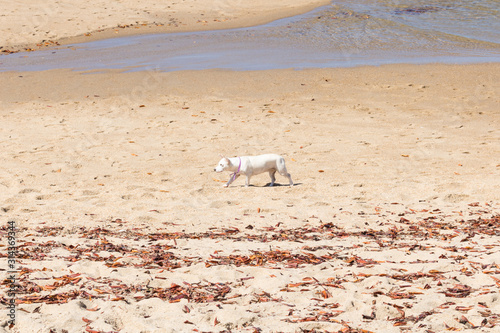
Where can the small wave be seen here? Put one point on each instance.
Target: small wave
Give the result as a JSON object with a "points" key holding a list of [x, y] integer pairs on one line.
{"points": [[416, 10]]}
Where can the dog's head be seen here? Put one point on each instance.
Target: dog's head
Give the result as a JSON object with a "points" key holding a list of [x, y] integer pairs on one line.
{"points": [[223, 164]]}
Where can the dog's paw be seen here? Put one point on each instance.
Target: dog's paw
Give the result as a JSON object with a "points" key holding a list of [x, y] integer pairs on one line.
{"points": [[225, 185]]}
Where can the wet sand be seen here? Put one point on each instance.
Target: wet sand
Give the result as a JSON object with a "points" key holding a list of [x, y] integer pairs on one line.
{"points": [[31, 25]]}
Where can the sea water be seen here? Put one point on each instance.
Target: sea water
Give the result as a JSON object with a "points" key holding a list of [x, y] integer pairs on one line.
{"points": [[343, 34]]}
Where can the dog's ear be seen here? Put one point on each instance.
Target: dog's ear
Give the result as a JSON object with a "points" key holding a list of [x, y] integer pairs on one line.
{"points": [[225, 158]]}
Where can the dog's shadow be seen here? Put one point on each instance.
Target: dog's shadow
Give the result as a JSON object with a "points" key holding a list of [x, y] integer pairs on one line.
{"points": [[275, 185]]}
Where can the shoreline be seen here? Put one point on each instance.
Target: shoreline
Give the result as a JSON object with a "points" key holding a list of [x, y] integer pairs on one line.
{"points": [[211, 15]]}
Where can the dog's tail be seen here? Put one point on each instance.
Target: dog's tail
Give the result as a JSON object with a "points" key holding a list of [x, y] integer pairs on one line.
{"points": [[280, 165]]}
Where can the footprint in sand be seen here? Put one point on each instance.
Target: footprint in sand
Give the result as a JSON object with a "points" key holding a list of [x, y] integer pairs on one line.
{"points": [[28, 190], [456, 198], [88, 192]]}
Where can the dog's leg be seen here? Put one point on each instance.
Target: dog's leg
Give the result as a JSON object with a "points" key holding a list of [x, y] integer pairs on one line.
{"points": [[271, 174], [286, 174], [232, 179], [247, 182]]}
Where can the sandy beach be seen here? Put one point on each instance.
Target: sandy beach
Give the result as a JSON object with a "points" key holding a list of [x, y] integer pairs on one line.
{"points": [[122, 225]]}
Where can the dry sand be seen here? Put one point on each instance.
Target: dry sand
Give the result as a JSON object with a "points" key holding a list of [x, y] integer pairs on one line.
{"points": [[391, 225], [122, 225]]}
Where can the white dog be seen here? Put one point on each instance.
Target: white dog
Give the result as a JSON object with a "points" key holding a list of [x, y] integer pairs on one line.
{"points": [[253, 165]]}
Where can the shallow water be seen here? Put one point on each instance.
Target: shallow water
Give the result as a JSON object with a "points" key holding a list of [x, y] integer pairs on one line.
{"points": [[343, 34]]}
